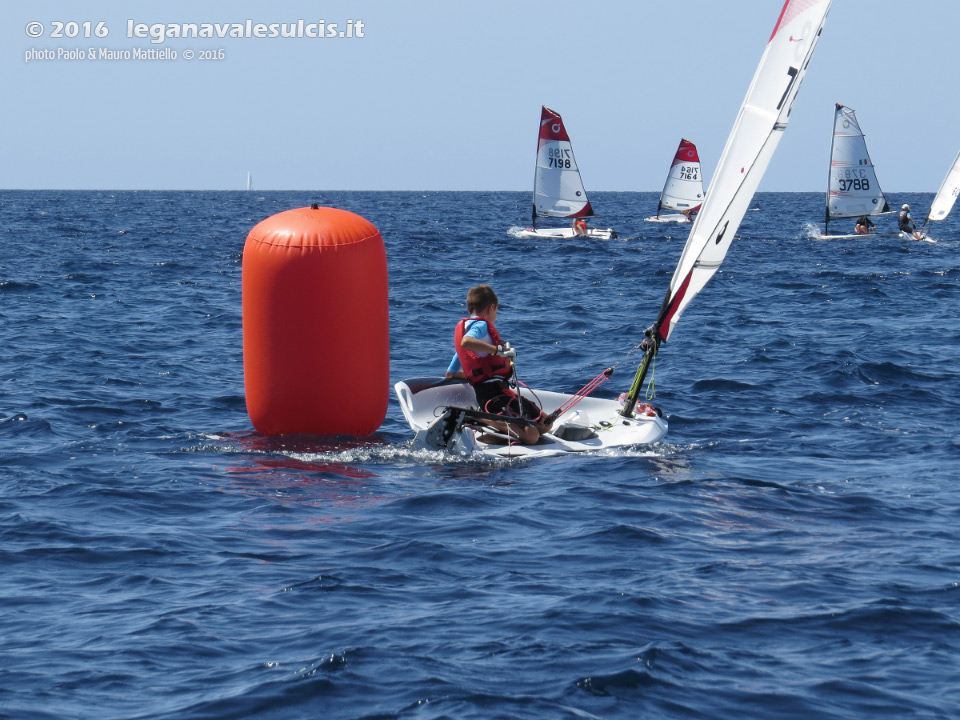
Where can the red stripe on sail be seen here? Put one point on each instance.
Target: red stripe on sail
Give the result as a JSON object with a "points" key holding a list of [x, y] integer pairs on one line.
{"points": [[586, 212], [686, 152], [551, 126], [663, 327], [792, 8]]}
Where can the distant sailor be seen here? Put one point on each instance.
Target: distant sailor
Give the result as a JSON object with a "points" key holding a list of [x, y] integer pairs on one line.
{"points": [[906, 223], [484, 361], [864, 225], [580, 227]]}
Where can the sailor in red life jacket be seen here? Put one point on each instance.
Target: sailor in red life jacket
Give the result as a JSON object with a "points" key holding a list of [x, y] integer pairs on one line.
{"points": [[483, 360], [579, 227]]}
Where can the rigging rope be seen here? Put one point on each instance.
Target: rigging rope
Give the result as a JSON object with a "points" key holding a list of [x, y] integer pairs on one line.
{"points": [[582, 393]]}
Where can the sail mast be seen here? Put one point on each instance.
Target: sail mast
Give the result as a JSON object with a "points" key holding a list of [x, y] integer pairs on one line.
{"points": [[536, 168], [833, 139], [756, 132]]}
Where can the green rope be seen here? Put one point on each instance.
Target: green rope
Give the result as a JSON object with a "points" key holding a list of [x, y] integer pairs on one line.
{"points": [[651, 392]]}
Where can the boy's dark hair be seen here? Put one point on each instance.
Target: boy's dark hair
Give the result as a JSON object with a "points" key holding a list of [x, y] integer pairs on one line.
{"points": [[480, 297]]}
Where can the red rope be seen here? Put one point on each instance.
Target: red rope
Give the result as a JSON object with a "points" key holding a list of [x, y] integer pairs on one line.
{"points": [[583, 392]]}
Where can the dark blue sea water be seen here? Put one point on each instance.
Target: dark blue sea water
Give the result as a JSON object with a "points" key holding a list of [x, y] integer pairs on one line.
{"points": [[790, 551]]}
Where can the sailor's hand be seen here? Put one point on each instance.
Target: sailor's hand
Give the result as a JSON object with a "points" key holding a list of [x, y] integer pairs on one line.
{"points": [[506, 351]]}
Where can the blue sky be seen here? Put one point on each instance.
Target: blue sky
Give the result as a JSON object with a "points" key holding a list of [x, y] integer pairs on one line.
{"points": [[446, 95]]}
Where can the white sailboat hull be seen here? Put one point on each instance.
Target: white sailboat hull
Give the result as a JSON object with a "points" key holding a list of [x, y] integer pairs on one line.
{"points": [[563, 233], [909, 236], [845, 237], [668, 218], [593, 424]]}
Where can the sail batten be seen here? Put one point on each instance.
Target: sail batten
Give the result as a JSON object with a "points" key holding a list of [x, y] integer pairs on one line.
{"points": [[558, 190], [757, 130]]}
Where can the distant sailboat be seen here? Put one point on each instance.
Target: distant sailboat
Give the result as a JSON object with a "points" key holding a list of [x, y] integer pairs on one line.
{"points": [[852, 186], [557, 188], [683, 190], [249, 180], [946, 195]]}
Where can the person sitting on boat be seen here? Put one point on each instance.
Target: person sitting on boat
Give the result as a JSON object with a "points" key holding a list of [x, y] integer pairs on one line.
{"points": [[688, 214], [579, 227], [485, 362], [906, 223], [864, 225]]}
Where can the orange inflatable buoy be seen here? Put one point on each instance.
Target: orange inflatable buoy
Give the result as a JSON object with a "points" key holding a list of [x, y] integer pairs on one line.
{"points": [[316, 330]]}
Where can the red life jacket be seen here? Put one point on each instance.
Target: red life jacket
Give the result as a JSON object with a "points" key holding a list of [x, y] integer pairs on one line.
{"points": [[476, 368]]}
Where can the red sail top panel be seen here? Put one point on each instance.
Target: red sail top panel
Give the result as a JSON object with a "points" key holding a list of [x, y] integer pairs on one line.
{"points": [[686, 153], [551, 126]]}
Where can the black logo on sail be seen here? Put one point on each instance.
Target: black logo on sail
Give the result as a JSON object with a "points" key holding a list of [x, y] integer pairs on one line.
{"points": [[720, 236]]}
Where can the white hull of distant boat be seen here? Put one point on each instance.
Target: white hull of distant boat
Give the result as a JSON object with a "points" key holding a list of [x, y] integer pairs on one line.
{"points": [[548, 233], [432, 407], [850, 236], [909, 236], [668, 218], [853, 236]]}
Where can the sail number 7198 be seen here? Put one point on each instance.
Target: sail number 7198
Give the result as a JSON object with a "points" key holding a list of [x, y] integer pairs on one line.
{"points": [[560, 158]]}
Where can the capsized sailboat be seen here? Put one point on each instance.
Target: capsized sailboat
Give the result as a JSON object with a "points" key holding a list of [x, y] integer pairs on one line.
{"points": [[946, 196], [558, 190], [852, 186], [683, 190], [444, 414]]}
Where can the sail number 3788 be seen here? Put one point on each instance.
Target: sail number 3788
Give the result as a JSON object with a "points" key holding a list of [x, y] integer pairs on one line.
{"points": [[853, 184]]}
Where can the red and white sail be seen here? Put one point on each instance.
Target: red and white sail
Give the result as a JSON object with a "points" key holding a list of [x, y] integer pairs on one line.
{"points": [[853, 189], [557, 188], [756, 132], [683, 190], [947, 194]]}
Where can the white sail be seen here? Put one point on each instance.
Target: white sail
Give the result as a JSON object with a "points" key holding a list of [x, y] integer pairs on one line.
{"points": [[853, 189], [757, 130], [557, 188], [249, 180], [946, 195], [683, 190]]}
